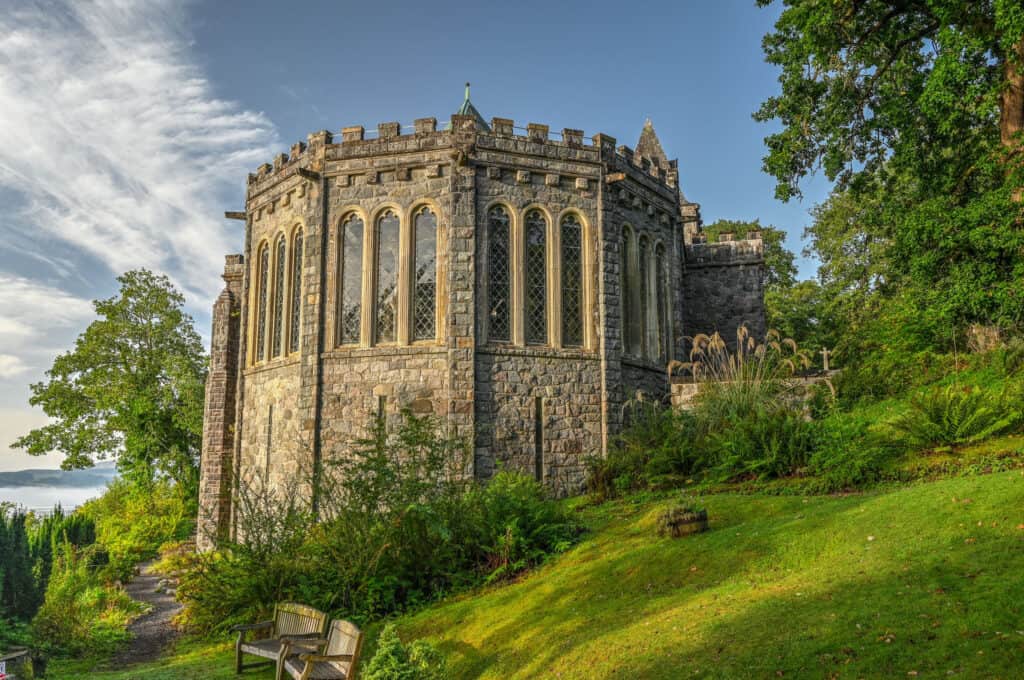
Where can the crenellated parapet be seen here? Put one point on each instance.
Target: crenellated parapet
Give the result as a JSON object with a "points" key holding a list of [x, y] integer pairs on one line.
{"points": [[727, 251]]}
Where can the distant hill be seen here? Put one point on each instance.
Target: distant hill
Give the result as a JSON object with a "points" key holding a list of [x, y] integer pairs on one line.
{"points": [[95, 476]]}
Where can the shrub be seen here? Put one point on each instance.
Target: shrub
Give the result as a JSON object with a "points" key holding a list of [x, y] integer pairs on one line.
{"points": [[955, 414], [847, 453], [132, 522], [762, 444], [395, 661], [401, 524], [658, 448], [81, 615]]}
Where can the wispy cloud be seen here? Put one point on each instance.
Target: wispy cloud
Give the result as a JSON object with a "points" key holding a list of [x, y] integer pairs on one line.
{"points": [[115, 141], [115, 153]]}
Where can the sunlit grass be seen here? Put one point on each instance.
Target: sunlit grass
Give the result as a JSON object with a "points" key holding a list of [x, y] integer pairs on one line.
{"points": [[922, 579]]}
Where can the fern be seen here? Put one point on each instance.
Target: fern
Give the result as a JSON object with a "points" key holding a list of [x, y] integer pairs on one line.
{"points": [[955, 415]]}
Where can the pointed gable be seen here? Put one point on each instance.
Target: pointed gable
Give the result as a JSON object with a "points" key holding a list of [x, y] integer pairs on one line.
{"points": [[649, 146]]}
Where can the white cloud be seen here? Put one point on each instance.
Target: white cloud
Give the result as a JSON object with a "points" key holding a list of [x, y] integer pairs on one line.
{"points": [[116, 142], [115, 153]]}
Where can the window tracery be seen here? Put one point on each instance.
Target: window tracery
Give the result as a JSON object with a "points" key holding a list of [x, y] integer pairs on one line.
{"points": [[535, 268]]}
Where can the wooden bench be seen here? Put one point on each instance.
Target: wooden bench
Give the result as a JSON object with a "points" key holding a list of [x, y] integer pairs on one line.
{"points": [[337, 656], [15, 662], [291, 620]]}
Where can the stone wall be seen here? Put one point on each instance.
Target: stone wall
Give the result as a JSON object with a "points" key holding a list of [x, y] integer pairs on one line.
{"points": [[723, 288], [215, 463]]}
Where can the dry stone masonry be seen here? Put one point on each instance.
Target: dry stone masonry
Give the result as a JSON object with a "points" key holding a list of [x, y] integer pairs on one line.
{"points": [[521, 288]]}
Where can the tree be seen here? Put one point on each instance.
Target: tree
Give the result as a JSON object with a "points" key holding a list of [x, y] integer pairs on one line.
{"points": [[915, 109], [132, 388], [778, 261]]}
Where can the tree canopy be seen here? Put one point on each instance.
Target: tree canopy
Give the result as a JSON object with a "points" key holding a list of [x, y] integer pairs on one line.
{"points": [[132, 387], [915, 108]]}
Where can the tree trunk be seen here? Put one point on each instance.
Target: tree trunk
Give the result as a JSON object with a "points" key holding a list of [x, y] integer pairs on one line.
{"points": [[1011, 109]]}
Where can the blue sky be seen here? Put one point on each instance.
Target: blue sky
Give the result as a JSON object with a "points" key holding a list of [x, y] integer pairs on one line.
{"points": [[127, 128]]}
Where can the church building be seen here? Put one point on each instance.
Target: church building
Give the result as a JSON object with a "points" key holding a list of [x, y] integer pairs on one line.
{"points": [[519, 285]]}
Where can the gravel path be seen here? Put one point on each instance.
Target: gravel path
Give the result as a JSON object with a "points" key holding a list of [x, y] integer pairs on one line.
{"points": [[152, 631]]}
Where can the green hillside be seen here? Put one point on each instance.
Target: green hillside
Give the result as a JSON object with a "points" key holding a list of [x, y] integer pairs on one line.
{"points": [[925, 580], [918, 580]]}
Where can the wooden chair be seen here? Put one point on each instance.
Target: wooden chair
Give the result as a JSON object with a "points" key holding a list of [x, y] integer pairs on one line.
{"points": [[338, 657], [291, 620]]}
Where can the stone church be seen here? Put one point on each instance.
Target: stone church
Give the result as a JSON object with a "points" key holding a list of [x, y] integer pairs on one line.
{"points": [[517, 284]]}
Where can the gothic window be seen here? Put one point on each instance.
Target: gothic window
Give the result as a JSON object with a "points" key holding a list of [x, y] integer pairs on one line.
{"points": [[572, 281], [296, 302], [630, 312], [661, 290], [535, 268], [499, 283], [424, 294], [278, 327], [645, 294], [351, 280], [262, 277], [387, 277]]}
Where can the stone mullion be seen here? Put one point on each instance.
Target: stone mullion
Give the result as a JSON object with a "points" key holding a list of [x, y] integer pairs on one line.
{"points": [[517, 246], [368, 292], [406, 251], [554, 261]]}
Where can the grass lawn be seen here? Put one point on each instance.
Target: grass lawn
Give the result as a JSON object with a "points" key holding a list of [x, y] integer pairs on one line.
{"points": [[919, 581]]}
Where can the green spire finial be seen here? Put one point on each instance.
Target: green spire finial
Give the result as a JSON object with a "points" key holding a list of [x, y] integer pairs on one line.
{"points": [[467, 90]]}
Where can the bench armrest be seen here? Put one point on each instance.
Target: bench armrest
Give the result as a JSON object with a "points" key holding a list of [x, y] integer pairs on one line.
{"points": [[251, 626]]}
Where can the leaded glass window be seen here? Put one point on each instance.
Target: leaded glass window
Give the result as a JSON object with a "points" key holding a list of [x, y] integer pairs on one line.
{"points": [[293, 340], [424, 294], [660, 283], [645, 291], [387, 277], [536, 278], [278, 327], [262, 279], [499, 284], [572, 281], [351, 280]]}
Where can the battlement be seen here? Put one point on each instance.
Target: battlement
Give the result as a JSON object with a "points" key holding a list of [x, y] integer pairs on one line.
{"points": [[726, 252], [502, 134]]}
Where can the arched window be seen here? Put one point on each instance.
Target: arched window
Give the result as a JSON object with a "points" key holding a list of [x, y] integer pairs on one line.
{"points": [[262, 279], [278, 327], [499, 279], [293, 340], [645, 295], [424, 293], [631, 312], [661, 289], [350, 279], [387, 277], [572, 281], [535, 268]]}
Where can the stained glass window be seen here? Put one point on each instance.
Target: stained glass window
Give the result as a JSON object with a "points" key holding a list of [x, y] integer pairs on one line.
{"points": [[278, 328], [351, 279], [387, 277], [499, 285], [293, 341], [535, 268], [661, 283], [263, 276], [424, 315], [572, 281], [645, 291]]}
